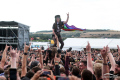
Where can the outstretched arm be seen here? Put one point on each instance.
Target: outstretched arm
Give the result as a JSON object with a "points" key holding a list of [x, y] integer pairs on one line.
{"points": [[67, 19], [41, 58], [17, 57], [24, 62], [4, 57], [13, 69], [89, 59], [105, 66], [112, 61]]}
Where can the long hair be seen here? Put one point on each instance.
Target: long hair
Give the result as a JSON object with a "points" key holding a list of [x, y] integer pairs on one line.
{"points": [[59, 23]]}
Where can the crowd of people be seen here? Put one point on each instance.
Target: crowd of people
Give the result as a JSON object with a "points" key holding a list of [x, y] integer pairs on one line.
{"points": [[56, 64]]}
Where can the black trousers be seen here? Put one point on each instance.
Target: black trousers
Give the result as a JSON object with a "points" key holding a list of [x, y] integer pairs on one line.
{"points": [[59, 39]]}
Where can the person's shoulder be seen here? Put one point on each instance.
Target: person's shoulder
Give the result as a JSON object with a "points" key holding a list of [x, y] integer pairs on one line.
{"points": [[94, 78], [62, 22], [53, 23], [25, 78]]}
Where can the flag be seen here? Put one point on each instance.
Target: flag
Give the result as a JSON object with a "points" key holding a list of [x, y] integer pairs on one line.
{"points": [[71, 28]]}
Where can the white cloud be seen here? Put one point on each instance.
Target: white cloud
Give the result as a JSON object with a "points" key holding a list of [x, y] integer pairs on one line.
{"points": [[39, 14]]}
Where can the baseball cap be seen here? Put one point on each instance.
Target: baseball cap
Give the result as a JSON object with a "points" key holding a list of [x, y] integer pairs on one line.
{"points": [[57, 16]]}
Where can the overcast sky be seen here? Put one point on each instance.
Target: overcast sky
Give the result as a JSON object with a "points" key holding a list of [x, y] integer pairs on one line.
{"points": [[39, 14]]}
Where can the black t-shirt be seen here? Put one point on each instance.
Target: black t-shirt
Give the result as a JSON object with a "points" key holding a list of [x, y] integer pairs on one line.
{"points": [[94, 78], [58, 27], [112, 75], [25, 78]]}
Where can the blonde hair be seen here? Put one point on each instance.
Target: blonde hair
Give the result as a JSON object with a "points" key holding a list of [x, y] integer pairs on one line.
{"points": [[98, 69], [99, 61]]}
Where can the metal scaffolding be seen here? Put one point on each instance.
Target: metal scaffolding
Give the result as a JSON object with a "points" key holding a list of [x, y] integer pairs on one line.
{"points": [[13, 34]]}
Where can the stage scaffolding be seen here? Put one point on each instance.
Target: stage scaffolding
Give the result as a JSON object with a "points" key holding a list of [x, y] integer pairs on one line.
{"points": [[14, 34]]}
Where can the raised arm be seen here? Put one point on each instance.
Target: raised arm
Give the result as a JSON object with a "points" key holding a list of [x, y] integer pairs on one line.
{"points": [[17, 58], [67, 19], [67, 63], [105, 66], [41, 57], [24, 61], [4, 57], [118, 52], [112, 61], [89, 58], [13, 69], [57, 68]]}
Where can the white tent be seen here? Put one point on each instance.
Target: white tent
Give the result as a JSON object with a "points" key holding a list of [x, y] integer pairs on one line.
{"points": [[80, 43], [34, 45]]}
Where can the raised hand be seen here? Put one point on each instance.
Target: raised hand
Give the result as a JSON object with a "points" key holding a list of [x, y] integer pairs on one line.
{"points": [[104, 52], [4, 57], [6, 47], [118, 49], [12, 52], [68, 14], [88, 47], [89, 58], [107, 49], [37, 75], [51, 75], [26, 47], [39, 50]]}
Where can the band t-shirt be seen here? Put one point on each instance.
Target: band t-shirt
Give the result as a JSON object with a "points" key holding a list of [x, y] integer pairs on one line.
{"points": [[59, 27]]}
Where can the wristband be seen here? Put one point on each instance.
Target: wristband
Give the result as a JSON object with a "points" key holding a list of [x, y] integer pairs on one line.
{"points": [[88, 52], [25, 53], [56, 62], [105, 64]]}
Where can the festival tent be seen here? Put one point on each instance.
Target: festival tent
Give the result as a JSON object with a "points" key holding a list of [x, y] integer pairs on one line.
{"points": [[96, 43], [35, 45]]}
